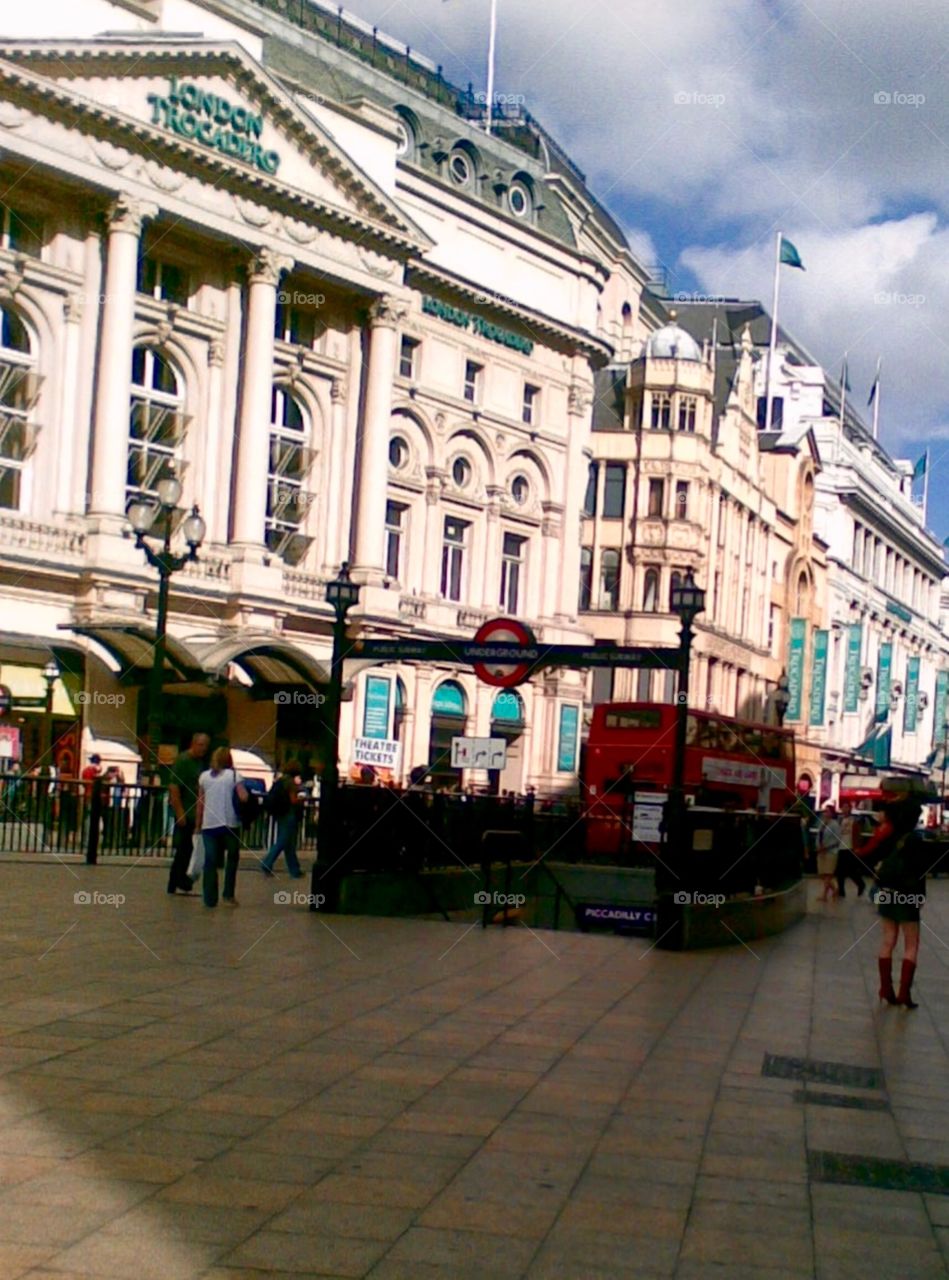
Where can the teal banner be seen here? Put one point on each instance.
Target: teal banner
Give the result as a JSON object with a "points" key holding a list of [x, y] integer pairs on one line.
{"points": [[852, 669], [818, 677], [567, 742], [911, 704], [884, 676], [942, 705], [796, 644], [375, 718]]}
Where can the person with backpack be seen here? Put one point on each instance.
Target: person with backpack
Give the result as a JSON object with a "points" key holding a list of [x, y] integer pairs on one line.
{"points": [[284, 803], [901, 860], [221, 796]]}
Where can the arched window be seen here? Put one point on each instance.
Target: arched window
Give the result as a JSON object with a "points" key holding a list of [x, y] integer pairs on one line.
{"points": [[18, 388], [287, 500], [674, 584], [449, 718], [609, 580], [801, 601], [156, 421], [651, 591]]}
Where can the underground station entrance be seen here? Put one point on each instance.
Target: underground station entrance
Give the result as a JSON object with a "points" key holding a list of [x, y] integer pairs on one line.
{"points": [[688, 876]]}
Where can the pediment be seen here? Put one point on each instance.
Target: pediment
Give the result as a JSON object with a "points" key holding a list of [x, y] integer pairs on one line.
{"points": [[209, 105]]}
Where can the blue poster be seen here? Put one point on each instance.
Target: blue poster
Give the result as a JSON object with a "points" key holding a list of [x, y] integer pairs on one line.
{"points": [[884, 676], [941, 705], [911, 705], [796, 668], [818, 677], [375, 722], [852, 670], [567, 741]]}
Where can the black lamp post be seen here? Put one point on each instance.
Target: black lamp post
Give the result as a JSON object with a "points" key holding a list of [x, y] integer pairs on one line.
{"points": [[342, 593], [782, 698], [145, 516], [51, 674], [945, 761], [687, 602]]}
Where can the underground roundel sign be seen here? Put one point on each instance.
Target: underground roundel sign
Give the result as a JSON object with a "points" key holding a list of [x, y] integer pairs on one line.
{"points": [[504, 631]]}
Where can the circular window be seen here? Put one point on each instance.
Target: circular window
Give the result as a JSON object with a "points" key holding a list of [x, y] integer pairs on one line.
{"points": [[520, 490], [459, 166], [398, 453], [461, 472], [404, 145], [519, 200]]}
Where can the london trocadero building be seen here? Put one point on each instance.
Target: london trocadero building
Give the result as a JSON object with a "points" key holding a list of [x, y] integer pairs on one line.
{"points": [[358, 327]]}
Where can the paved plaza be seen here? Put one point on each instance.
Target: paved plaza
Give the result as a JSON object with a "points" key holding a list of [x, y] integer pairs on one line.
{"points": [[259, 1091]]}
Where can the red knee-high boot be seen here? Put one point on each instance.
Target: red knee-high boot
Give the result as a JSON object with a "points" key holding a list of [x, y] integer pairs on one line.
{"points": [[906, 985], [886, 979]]}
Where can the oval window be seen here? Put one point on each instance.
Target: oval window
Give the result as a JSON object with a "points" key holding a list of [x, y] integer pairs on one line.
{"points": [[520, 490], [460, 168], [519, 200], [461, 472], [398, 453]]}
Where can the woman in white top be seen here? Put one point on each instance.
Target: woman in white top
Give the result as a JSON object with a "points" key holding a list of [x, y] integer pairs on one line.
{"points": [[217, 819]]}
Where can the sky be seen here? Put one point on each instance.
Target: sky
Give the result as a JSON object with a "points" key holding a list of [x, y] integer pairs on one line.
{"points": [[705, 126]]}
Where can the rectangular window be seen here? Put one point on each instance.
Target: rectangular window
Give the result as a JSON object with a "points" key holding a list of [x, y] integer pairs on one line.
{"points": [[777, 412], [657, 497], [589, 501], [531, 402], [682, 500], [296, 326], [162, 280], [661, 411], [722, 514], [20, 231], [687, 408], [586, 578], [407, 358], [512, 571], [609, 579], [453, 557], [750, 540], [773, 630], [395, 529], [716, 592], [473, 373], [614, 491]]}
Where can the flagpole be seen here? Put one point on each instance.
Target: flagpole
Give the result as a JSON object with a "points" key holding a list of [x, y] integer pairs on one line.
{"points": [[843, 392], [876, 405], [492, 39], [925, 488], [769, 404]]}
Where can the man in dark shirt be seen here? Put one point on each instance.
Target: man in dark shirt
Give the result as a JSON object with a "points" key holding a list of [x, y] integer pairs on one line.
{"points": [[183, 795]]}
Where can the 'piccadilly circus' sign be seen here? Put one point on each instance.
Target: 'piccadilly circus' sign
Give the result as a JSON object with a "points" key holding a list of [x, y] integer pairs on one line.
{"points": [[201, 115]]}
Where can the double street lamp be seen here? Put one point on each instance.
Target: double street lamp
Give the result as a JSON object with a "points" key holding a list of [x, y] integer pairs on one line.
{"points": [[343, 594], [153, 516]]}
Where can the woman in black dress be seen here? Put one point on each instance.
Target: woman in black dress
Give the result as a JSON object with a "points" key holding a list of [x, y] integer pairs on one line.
{"points": [[900, 858]]}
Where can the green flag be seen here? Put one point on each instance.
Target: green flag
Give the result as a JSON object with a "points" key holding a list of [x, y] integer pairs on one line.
{"points": [[919, 470], [789, 255]]}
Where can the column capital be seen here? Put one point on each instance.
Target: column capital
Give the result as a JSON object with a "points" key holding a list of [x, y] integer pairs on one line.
{"points": [[216, 353], [579, 399], [387, 312], [266, 266], [128, 214]]}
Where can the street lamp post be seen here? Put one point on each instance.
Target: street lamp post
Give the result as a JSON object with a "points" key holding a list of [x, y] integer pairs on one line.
{"points": [[145, 515], [342, 593], [687, 602], [51, 674], [782, 698]]}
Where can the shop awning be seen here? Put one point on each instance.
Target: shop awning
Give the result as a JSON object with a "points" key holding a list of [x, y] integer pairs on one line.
{"points": [[132, 645], [266, 661]]}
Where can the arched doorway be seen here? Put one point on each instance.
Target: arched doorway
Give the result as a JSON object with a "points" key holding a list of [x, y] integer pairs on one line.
{"points": [[507, 722], [449, 718]]}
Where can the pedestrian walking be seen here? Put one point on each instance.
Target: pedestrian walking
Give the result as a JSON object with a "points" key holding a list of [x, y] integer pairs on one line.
{"points": [[284, 803], [901, 861], [183, 796], [849, 866], [828, 851], [220, 790]]}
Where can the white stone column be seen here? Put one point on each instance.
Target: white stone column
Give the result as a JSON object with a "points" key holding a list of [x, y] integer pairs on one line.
{"points": [[434, 523], [114, 366], [386, 314], [547, 591], [491, 562], [210, 485], [66, 460], [336, 547], [575, 484], [253, 443]]}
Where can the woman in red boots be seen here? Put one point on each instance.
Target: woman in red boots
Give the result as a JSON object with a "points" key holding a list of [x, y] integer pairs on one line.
{"points": [[900, 858]]}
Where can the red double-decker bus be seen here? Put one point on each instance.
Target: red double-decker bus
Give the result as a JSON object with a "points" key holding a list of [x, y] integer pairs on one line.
{"points": [[630, 754]]}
